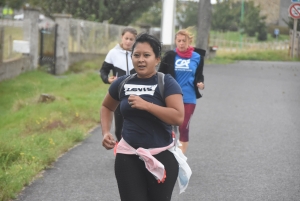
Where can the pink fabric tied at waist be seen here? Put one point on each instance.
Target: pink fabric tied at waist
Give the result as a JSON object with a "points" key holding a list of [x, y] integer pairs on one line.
{"points": [[152, 164]]}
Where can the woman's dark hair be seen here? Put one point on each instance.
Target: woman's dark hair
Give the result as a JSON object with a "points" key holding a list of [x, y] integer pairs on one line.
{"points": [[130, 30], [151, 40]]}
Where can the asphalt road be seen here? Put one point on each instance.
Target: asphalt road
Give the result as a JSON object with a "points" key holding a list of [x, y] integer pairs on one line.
{"points": [[245, 143]]}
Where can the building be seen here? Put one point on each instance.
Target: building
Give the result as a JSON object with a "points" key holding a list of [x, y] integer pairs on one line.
{"points": [[276, 11]]}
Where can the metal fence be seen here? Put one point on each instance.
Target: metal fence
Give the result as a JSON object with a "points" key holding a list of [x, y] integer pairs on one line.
{"points": [[228, 45]]}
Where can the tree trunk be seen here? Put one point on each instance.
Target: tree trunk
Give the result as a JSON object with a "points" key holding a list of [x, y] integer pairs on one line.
{"points": [[204, 21]]}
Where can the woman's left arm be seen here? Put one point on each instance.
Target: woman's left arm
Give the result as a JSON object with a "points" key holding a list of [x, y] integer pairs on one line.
{"points": [[106, 116], [172, 114], [199, 74]]}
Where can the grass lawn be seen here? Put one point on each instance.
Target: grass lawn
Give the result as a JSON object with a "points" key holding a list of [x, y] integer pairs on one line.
{"points": [[235, 36], [223, 57]]}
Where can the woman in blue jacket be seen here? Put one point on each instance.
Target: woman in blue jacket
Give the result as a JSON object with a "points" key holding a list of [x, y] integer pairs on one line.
{"points": [[185, 64]]}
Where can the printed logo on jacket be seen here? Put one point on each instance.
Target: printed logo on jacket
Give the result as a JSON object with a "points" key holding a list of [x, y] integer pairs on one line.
{"points": [[182, 63]]}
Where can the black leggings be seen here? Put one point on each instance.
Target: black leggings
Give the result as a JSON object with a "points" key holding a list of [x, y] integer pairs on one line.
{"points": [[136, 183], [118, 123]]}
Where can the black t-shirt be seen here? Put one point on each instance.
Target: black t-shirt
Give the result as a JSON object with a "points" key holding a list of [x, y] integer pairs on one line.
{"points": [[141, 128]]}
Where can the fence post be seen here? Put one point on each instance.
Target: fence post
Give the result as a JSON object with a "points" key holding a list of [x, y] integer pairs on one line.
{"points": [[78, 37], [32, 15], [62, 42], [297, 44], [1, 44], [10, 46]]}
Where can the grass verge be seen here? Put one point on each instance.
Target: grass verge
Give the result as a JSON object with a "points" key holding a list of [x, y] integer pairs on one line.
{"points": [[34, 134], [225, 57]]}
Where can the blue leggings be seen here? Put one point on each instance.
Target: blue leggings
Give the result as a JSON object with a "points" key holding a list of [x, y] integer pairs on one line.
{"points": [[136, 183], [184, 128]]}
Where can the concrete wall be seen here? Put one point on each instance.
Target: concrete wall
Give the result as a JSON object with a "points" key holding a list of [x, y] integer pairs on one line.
{"points": [[12, 68], [75, 57], [283, 13], [32, 34], [62, 42], [64, 58]]}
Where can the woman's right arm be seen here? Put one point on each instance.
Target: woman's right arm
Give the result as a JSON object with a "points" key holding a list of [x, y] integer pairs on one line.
{"points": [[105, 70], [106, 116]]}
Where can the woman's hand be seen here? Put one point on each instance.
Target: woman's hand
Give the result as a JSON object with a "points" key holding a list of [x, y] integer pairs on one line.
{"points": [[200, 85], [111, 79], [108, 141], [137, 102]]}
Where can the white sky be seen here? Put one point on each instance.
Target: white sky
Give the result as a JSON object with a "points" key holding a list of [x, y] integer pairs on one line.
{"points": [[212, 1]]}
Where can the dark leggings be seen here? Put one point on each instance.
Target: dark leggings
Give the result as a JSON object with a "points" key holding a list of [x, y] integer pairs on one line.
{"points": [[118, 123], [136, 183], [184, 128]]}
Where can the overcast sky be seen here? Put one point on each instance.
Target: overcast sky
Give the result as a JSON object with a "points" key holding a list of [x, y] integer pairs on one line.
{"points": [[212, 1]]}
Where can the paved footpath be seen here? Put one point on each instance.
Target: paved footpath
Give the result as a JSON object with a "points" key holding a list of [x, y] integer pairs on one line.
{"points": [[245, 143]]}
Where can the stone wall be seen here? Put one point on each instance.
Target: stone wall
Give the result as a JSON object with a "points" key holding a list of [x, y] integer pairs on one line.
{"points": [[75, 57], [12, 68]]}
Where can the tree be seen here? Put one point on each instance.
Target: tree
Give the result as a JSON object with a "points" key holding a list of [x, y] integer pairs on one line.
{"points": [[125, 12], [225, 17], [15, 4], [253, 22], [152, 17], [204, 21], [187, 14], [122, 12], [2, 3], [262, 32]]}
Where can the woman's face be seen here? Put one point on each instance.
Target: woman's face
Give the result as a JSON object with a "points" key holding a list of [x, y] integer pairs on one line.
{"points": [[144, 60], [182, 42], [127, 40]]}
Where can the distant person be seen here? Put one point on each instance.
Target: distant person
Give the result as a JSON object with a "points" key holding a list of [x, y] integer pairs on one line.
{"points": [[185, 64], [147, 163], [118, 60]]}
